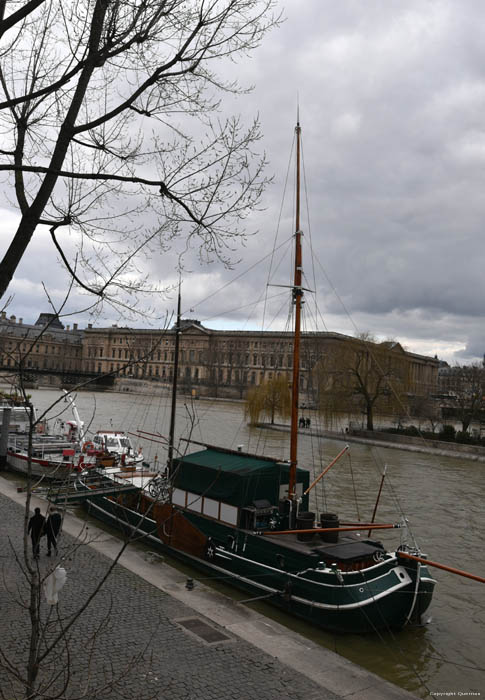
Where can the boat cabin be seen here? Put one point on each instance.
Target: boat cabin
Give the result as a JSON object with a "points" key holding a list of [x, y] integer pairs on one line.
{"points": [[18, 419], [235, 488], [115, 441]]}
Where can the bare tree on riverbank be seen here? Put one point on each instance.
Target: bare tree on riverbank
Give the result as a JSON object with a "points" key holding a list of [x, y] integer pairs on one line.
{"points": [[365, 375], [467, 386]]}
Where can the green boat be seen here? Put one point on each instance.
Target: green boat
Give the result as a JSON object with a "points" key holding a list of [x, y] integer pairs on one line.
{"points": [[246, 518]]}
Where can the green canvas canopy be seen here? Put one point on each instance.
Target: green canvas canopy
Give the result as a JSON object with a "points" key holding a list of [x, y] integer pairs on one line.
{"points": [[233, 477]]}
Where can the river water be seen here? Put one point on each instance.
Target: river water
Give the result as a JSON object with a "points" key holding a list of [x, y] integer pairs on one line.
{"points": [[443, 498]]}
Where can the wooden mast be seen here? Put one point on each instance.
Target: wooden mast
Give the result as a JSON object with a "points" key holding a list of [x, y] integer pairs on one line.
{"points": [[297, 301]]}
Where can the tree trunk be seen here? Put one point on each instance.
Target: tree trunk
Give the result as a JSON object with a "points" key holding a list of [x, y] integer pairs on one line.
{"points": [[370, 417], [34, 610]]}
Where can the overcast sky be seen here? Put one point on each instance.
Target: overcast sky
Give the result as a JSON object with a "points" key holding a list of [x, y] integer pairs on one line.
{"points": [[392, 106]]}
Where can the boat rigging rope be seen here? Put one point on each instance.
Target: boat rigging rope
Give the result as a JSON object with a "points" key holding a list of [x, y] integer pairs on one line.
{"points": [[349, 457], [310, 243]]}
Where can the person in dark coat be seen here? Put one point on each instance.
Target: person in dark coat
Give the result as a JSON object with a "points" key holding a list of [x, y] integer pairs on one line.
{"points": [[36, 530], [52, 529]]}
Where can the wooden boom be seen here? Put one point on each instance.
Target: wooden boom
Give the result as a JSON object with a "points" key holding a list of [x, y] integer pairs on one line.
{"points": [[437, 565], [316, 530], [326, 469]]}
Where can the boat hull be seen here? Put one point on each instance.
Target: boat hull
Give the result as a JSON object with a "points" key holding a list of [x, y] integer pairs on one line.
{"points": [[49, 469], [386, 595]]}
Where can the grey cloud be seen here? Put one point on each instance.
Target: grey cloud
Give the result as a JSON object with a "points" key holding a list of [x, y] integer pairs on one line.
{"points": [[392, 98]]}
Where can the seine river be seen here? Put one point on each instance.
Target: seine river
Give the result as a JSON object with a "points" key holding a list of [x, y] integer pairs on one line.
{"points": [[442, 497]]}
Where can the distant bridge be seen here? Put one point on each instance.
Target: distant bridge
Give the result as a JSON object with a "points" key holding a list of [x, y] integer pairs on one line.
{"points": [[68, 377]]}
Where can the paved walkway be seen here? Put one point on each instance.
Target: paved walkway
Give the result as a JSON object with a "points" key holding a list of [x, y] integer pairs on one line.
{"points": [[144, 635]]}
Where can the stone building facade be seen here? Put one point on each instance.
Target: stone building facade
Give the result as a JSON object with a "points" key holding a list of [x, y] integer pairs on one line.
{"points": [[225, 363], [212, 362], [46, 345]]}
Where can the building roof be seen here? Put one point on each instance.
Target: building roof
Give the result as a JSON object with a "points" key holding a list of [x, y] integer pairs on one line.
{"points": [[51, 320], [12, 328]]}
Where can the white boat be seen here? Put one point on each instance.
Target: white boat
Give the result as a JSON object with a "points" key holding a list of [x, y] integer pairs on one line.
{"points": [[115, 442], [52, 456], [65, 454]]}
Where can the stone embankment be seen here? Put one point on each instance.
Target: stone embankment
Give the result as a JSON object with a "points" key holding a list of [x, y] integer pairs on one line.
{"points": [[393, 441]]}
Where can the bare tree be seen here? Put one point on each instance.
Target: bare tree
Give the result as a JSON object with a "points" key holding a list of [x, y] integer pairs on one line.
{"points": [[469, 393], [363, 374], [426, 408], [107, 133]]}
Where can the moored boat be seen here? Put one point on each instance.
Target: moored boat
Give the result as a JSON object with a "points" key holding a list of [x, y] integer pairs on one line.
{"points": [[223, 511], [246, 518], [118, 443], [66, 452]]}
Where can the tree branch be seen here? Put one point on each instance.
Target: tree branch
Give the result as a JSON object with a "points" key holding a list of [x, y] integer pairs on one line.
{"points": [[22, 13]]}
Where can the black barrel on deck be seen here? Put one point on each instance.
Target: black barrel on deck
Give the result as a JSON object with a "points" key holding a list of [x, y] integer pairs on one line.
{"points": [[329, 520], [305, 521]]}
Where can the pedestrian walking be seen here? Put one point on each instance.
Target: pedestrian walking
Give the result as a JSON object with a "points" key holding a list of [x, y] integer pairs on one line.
{"points": [[52, 529], [36, 530]]}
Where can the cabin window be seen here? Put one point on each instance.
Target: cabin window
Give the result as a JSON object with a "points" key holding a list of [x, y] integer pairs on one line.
{"points": [[207, 506], [211, 508], [194, 502], [228, 514], [178, 497]]}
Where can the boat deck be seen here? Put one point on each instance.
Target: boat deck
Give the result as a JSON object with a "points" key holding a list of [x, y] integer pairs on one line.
{"points": [[348, 549]]}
